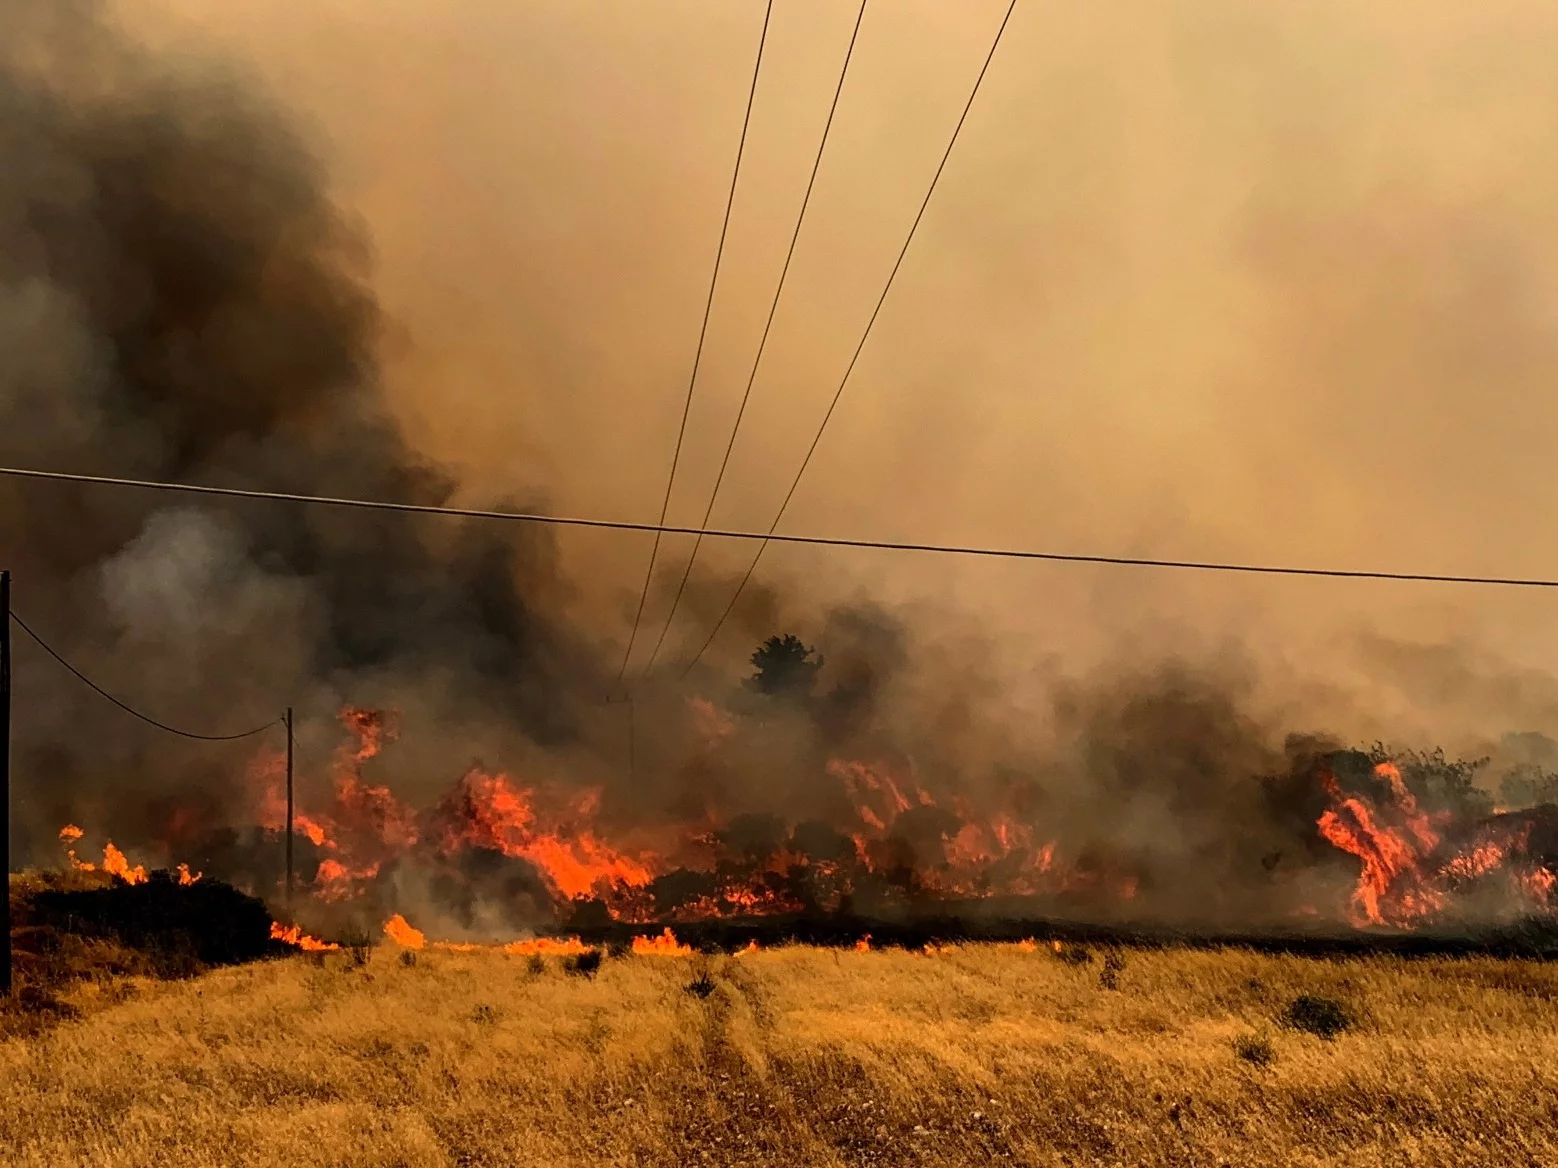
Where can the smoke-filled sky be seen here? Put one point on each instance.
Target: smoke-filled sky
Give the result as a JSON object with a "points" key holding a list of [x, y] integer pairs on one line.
{"points": [[1205, 279]]}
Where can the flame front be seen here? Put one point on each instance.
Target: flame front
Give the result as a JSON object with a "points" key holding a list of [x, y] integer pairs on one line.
{"points": [[566, 857], [548, 947], [294, 935], [665, 945]]}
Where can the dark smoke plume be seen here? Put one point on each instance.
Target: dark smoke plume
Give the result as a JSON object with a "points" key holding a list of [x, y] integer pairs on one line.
{"points": [[181, 300]]}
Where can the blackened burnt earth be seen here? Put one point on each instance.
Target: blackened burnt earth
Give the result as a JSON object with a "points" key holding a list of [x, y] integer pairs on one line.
{"points": [[1532, 938], [207, 922]]}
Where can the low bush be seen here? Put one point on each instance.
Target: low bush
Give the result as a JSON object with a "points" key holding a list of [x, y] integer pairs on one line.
{"points": [[1255, 1049], [1322, 1017]]}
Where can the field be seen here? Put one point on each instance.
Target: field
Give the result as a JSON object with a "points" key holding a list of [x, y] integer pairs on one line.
{"points": [[794, 1056]]}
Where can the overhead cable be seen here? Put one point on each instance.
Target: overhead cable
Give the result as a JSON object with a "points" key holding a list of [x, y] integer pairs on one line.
{"points": [[692, 381], [777, 537], [762, 344], [870, 324]]}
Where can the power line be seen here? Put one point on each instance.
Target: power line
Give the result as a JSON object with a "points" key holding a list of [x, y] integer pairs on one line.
{"points": [[762, 344], [150, 721], [870, 324], [777, 537], [708, 308]]}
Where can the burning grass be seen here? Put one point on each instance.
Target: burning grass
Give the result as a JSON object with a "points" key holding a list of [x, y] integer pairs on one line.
{"points": [[799, 1056]]}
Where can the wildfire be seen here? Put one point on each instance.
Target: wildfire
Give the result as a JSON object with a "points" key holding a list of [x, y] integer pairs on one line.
{"points": [[547, 947], [1408, 870], [894, 841], [489, 811], [364, 831], [398, 931], [114, 862], [864, 944], [294, 935], [665, 945], [1539, 885]]}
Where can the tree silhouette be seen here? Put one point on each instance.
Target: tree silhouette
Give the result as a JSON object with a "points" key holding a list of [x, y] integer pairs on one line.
{"points": [[785, 668]]}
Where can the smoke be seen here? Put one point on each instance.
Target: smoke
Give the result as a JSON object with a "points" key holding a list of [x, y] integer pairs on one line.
{"points": [[1209, 281], [188, 302]]}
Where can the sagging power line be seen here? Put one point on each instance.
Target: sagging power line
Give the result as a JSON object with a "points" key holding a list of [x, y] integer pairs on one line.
{"points": [[131, 710], [870, 324], [9, 617], [708, 308]]}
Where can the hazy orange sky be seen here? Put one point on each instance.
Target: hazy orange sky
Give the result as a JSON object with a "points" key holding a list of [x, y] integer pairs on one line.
{"points": [[1207, 279]]}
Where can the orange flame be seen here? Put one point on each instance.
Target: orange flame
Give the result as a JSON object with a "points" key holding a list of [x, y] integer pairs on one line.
{"points": [[665, 945], [1390, 888], [398, 931], [294, 935], [864, 944], [1539, 885], [547, 947], [114, 862], [489, 811]]}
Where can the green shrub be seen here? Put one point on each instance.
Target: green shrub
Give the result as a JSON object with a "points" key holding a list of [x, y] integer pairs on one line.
{"points": [[1322, 1017]]}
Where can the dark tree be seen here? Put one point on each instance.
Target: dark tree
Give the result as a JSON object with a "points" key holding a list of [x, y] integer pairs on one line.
{"points": [[785, 667]]}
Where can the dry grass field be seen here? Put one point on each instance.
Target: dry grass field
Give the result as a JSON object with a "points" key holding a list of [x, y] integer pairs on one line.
{"points": [[976, 1055]]}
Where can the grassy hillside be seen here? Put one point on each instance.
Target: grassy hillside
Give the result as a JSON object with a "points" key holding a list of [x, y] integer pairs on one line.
{"points": [[797, 1057]]}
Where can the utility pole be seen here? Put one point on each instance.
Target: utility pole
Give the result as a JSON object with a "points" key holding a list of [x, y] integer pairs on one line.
{"points": [[5, 779], [289, 815]]}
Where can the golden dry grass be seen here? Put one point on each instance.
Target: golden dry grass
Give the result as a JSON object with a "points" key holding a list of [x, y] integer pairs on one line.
{"points": [[798, 1057]]}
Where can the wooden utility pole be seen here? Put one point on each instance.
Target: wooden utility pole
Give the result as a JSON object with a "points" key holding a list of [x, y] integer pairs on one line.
{"points": [[5, 779], [289, 815]]}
